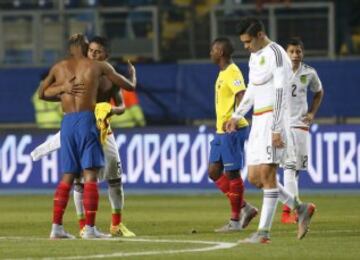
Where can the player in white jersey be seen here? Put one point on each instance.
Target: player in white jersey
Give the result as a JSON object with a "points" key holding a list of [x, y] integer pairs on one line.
{"points": [[303, 78], [267, 93], [112, 171]]}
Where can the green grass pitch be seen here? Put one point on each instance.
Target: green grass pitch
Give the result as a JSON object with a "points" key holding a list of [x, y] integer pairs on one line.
{"points": [[165, 224]]}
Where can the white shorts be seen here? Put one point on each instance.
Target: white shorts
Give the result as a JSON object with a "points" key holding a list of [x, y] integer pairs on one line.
{"points": [[259, 148], [113, 168], [300, 138]]}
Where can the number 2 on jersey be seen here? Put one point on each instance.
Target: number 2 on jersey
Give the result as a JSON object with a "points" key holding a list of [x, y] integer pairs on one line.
{"points": [[293, 90]]}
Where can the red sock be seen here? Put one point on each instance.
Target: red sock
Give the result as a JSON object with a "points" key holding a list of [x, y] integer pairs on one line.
{"points": [[236, 195], [61, 198], [223, 184], [82, 223], [286, 209], [116, 219], [91, 201]]}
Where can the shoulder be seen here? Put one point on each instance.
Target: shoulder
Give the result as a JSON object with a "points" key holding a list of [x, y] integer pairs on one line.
{"points": [[309, 70], [276, 51], [308, 67]]}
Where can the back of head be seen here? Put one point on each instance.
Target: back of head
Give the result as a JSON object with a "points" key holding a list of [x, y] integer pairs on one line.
{"points": [[227, 46], [251, 26], [78, 43]]}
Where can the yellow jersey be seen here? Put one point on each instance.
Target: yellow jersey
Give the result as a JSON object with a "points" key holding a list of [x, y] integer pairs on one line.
{"points": [[229, 82]]}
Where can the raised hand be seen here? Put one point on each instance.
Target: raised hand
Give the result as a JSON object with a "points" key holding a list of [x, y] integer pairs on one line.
{"points": [[132, 71]]}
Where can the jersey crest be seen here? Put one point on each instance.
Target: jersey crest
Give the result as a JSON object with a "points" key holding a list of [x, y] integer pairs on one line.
{"points": [[237, 82], [303, 79], [262, 60]]}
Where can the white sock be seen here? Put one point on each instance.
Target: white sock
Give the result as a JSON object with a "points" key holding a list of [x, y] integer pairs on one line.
{"points": [[287, 198], [116, 195], [78, 200], [291, 182], [268, 209]]}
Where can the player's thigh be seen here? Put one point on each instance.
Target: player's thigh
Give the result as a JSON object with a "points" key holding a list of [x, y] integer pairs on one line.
{"points": [[260, 149], [301, 138], [113, 166]]}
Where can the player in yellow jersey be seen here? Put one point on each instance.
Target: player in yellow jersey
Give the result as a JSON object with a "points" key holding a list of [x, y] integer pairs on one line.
{"points": [[227, 149]]}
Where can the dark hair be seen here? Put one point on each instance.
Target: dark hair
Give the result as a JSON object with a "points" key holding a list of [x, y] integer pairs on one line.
{"points": [[101, 41], [251, 26], [227, 46], [295, 41], [79, 40]]}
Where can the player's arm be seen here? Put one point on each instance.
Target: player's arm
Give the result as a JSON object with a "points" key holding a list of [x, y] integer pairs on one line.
{"points": [[318, 90], [119, 107], [280, 82], [246, 101], [118, 79], [45, 84], [51, 90]]}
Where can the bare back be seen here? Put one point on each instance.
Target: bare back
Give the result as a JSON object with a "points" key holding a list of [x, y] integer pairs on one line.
{"points": [[86, 72]]}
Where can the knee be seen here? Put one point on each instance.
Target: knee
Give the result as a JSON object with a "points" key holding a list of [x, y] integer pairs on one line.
{"points": [[214, 174], [254, 180]]}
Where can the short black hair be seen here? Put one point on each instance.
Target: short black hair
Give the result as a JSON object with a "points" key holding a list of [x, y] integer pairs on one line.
{"points": [[251, 26], [228, 46], [101, 41], [79, 40], [295, 41]]}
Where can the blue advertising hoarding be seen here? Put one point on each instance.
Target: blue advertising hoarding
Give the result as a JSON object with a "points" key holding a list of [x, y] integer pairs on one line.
{"points": [[176, 158]]}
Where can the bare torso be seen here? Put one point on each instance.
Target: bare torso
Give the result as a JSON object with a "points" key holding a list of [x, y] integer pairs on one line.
{"points": [[106, 90], [86, 72]]}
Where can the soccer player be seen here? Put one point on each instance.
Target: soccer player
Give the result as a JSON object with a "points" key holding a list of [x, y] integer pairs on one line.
{"points": [[99, 50], [269, 75], [227, 149], [76, 81], [303, 78]]}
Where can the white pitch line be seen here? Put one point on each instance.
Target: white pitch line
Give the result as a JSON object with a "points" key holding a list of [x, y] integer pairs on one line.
{"points": [[214, 245]]}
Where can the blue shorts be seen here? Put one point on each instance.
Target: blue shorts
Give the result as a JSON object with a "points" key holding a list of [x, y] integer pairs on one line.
{"points": [[228, 149], [80, 143]]}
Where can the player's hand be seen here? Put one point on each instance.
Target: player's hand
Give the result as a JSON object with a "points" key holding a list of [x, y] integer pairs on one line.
{"points": [[72, 87], [277, 141], [308, 118], [231, 125]]}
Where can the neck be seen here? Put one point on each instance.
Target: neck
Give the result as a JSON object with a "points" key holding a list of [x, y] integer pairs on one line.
{"points": [[264, 42], [224, 63], [296, 66]]}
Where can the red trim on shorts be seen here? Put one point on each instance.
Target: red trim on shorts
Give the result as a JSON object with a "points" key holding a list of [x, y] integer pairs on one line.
{"points": [[261, 113], [304, 128]]}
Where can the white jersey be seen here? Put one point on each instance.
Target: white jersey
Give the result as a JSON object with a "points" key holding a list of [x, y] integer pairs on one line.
{"points": [[267, 92], [269, 77], [305, 77]]}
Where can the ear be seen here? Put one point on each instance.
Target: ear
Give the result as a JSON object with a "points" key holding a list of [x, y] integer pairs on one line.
{"points": [[261, 35]]}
